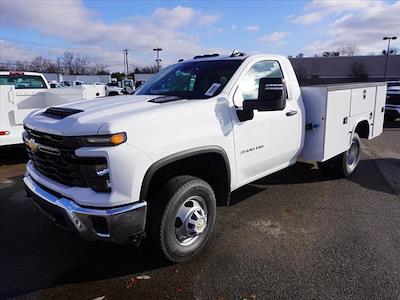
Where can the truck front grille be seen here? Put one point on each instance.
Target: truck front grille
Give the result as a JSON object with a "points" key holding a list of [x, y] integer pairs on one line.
{"points": [[60, 168], [54, 156]]}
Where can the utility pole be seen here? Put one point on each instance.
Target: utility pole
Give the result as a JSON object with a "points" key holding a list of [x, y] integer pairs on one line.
{"points": [[158, 60], [387, 52], [126, 65]]}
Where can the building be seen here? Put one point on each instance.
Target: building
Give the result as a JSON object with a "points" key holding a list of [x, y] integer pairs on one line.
{"points": [[336, 69]]}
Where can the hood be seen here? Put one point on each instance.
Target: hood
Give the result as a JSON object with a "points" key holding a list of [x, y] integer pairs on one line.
{"points": [[90, 115]]}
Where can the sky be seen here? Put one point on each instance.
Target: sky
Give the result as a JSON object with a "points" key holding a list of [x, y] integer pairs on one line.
{"points": [[100, 30]]}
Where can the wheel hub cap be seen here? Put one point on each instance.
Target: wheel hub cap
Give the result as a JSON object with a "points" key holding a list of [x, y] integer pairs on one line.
{"points": [[352, 154], [191, 220]]}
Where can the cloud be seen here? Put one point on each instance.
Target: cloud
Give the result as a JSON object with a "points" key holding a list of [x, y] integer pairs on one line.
{"points": [[11, 52], [72, 23], [307, 18], [175, 17], [207, 20], [251, 28], [363, 28], [277, 37], [318, 9]]}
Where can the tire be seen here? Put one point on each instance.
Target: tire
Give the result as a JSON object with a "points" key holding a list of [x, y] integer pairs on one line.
{"points": [[344, 164], [182, 219]]}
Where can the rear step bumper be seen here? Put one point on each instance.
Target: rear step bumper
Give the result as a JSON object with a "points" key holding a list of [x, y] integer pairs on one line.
{"points": [[117, 224]]}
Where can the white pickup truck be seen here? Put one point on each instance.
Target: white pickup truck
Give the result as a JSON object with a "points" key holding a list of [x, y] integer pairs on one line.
{"points": [[157, 163], [23, 92]]}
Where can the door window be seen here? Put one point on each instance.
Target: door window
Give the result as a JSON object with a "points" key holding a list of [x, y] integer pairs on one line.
{"points": [[248, 86]]}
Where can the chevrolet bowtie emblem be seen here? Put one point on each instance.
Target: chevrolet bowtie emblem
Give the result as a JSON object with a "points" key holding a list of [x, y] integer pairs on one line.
{"points": [[33, 145]]}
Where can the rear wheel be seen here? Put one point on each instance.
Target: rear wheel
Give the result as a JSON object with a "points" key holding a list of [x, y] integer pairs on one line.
{"points": [[344, 164], [183, 218]]}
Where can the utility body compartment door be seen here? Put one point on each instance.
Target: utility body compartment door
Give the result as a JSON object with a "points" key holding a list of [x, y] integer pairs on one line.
{"points": [[379, 112], [327, 122], [337, 131], [362, 100]]}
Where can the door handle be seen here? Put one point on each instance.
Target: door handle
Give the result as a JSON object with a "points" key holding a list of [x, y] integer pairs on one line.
{"points": [[291, 113]]}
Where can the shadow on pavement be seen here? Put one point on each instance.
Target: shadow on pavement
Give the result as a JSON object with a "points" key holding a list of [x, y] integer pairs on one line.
{"points": [[11, 155], [307, 172], [35, 254]]}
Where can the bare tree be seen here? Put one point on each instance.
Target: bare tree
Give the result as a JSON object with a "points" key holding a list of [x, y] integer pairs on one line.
{"points": [[300, 55], [21, 65], [357, 71], [146, 69], [100, 69], [38, 64], [81, 64], [67, 62], [348, 50]]}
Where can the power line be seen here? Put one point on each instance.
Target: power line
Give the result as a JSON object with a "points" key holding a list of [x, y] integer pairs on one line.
{"points": [[37, 44]]}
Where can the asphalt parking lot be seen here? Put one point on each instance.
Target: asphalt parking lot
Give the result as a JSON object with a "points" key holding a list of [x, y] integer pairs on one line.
{"points": [[294, 234]]}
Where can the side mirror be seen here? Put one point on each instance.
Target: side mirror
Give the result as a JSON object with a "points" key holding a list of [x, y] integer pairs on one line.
{"points": [[272, 96]]}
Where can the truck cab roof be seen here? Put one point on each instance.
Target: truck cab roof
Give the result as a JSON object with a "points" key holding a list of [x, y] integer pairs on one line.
{"points": [[24, 80], [20, 73]]}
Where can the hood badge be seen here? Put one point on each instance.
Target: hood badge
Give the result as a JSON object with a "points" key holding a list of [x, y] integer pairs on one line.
{"points": [[33, 145]]}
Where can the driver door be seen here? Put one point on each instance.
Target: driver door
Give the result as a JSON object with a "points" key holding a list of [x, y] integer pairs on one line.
{"points": [[270, 140]]}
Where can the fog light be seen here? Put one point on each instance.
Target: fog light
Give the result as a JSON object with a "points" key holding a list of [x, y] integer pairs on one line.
{"points": [[97, 176], [103, 171]]}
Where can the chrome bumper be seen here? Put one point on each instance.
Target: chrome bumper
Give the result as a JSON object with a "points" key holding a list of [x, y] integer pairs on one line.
{"points": [[109, 224]]}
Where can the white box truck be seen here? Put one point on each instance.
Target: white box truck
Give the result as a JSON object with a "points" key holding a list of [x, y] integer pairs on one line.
{"points": [[155, 164], [24, 92]]}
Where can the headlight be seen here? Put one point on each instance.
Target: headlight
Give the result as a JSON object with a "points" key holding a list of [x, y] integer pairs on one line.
{"points": [[103, 140]]}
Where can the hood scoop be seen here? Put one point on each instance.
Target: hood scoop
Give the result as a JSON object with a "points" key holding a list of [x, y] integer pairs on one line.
{"points": [[60, 112], [165, 99]]}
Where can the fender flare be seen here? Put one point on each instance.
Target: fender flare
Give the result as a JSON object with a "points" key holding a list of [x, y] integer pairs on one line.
{"points": [[178, 156], [355, 126]]}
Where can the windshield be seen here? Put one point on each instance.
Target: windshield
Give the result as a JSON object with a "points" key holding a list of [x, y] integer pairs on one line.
{"points": [[23, 81], [192, 80]]}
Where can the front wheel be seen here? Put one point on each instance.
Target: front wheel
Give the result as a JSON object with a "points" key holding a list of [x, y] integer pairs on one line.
{"points": [[344, 164], [183, 218]]}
